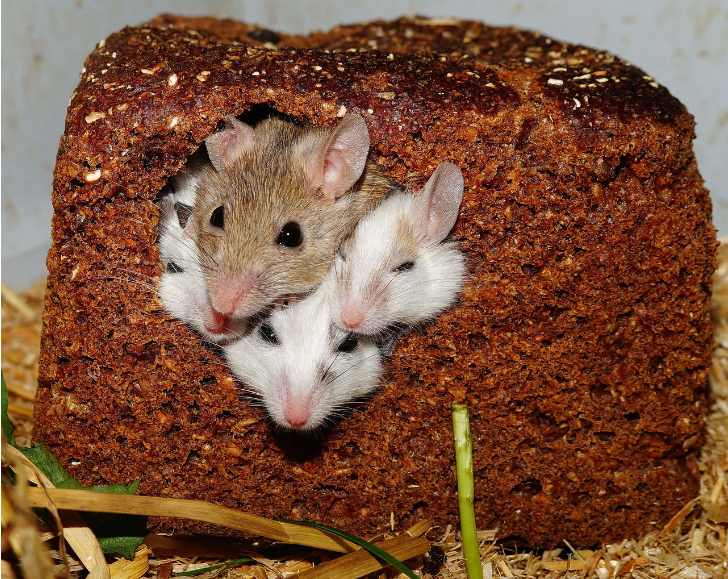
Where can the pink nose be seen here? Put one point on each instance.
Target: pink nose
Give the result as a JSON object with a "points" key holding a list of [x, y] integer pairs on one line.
{"points": [[231, 292], [296, 415], [352, 317], [217, 323]]}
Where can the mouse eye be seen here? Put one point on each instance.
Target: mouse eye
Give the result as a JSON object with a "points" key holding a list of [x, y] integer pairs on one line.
{"points": [[217, 219], [405, 266], [172, 267], [290, 235], [267, 334], [349, 344]]}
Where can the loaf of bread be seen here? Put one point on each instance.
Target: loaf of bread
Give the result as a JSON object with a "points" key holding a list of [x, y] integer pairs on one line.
{"points": [[580, 343]]}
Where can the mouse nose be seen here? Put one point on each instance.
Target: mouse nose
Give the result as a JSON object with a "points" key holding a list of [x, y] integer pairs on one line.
{"points": [[296, 415], [216, 323], [231, 291], [352, 317]]}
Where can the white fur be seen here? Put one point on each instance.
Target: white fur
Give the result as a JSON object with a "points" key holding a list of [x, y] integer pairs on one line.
{"points": [[371, 294], [303, 380], [184, 293]]}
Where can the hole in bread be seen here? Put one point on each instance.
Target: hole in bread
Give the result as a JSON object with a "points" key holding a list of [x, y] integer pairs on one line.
{"points": [[514, 541], [194, 412], [530, 487], [581, 497], [420, 508], [192, 458], [76, 184], [632, 416], [599, 392]]}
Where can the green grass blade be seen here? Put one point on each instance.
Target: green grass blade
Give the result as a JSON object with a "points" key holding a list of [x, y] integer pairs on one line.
{"points": [[7, 426], [373, 549]]}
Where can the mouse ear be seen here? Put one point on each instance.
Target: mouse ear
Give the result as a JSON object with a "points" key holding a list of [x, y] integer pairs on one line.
{"points": [[166, 210], [436, 205], [339, 162], [184, 212], [227, 145]]}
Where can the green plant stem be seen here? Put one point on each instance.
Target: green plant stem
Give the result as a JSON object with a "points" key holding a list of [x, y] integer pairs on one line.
{"points": [[466, 490]]}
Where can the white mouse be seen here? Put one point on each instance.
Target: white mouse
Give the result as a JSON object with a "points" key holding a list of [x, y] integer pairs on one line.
{"points": [[395, 269], [304, 368], [182, 287], [176, 201]]}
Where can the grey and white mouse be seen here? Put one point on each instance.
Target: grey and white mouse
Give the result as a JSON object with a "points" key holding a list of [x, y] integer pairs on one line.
{"points": [[396, 269], [305, 370]]}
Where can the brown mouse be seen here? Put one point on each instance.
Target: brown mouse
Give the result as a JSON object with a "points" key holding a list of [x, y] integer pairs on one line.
{"points": [[275, 204]]}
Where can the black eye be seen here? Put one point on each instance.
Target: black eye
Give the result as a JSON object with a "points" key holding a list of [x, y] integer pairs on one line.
{"points": [[172, 267], [405, 266], [349, 344], [217, 219], [290, 235], [267, 334]]}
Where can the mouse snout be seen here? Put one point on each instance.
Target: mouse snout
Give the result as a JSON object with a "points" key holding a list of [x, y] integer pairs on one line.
{"points": [[216, 322], [230, 292], [298, 403], [297, 410], [352, 316], [297, 415]]}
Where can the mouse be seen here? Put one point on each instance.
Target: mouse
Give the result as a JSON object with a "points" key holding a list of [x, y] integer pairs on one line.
{"points": [[396, 269], [305, 369], [275, 203], [181, 286]]}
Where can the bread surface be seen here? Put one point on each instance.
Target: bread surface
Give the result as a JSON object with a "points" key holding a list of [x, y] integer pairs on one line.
{"points": [[580, 344]]}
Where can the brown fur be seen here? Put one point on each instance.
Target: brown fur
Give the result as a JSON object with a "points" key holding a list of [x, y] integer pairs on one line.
{"points": [[261, 192]]}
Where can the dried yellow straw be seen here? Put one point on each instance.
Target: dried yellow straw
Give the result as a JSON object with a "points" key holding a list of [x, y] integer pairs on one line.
{"points": [[361, 562], [90, 501], [15, 301], [358, 562], [137, 567], [74, 529], [19, 532]]}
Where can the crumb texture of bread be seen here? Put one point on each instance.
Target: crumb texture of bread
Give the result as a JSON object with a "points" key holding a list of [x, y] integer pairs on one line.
{"points": [[581, 342]]}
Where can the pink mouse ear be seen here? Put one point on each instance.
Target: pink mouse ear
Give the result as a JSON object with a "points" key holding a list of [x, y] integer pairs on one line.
{"points": [[337, 164], [437, 204], [227, 145]]}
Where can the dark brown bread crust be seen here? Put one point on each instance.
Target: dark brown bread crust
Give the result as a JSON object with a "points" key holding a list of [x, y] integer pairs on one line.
{"points": [[581, 342]]}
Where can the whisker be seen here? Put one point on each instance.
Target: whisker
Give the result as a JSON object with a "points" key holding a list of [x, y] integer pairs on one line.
{"points": [[340, 374]]}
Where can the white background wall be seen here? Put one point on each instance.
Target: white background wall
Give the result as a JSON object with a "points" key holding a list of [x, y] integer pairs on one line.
{"points": [[683, 44]]}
